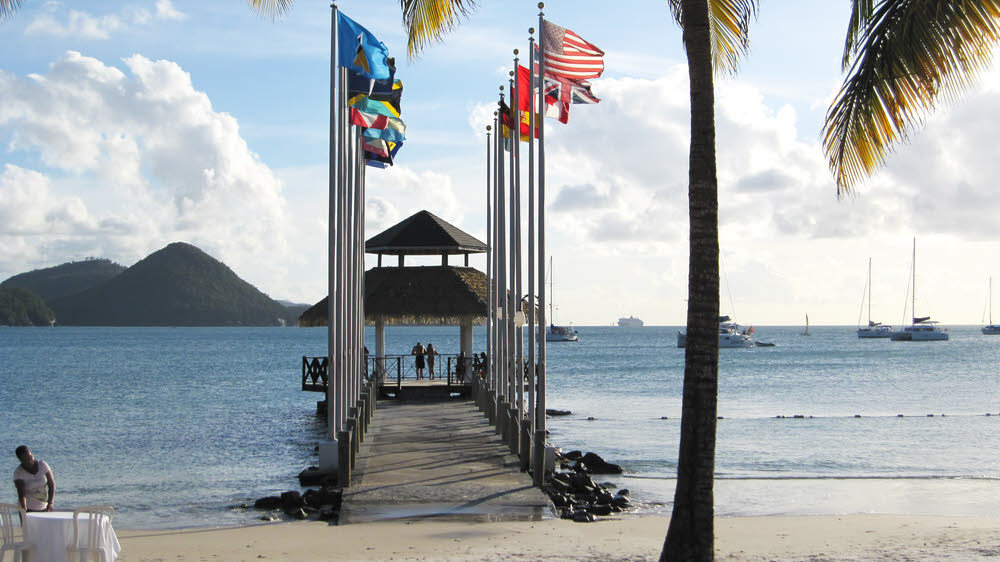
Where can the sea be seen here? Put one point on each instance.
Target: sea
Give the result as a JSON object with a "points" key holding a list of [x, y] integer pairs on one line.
{"points": [[182, 427]]}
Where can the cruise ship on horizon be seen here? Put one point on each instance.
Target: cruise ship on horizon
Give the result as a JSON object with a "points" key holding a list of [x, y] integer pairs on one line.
{"points": [[630, 322]]}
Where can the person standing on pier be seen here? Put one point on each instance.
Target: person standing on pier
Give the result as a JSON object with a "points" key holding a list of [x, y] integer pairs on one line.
{"points": [[419, 351], [431, 352]]}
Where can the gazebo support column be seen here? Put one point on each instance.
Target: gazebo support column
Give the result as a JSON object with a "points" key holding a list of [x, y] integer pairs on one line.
{"points": [[380, 349], [465, 338]]}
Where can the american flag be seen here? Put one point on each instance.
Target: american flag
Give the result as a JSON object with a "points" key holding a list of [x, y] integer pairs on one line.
{"points": [[567, 55]]}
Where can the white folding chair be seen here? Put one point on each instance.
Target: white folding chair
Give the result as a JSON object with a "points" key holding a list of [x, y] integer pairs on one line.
{"points": [[10, 542], [88, 544]]}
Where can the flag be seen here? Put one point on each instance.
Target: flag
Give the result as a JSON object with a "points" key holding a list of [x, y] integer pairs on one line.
{"points": [[386, 134], [389, 108], [376, 121], [567, 55], [507, 123], [561, 92], [377, 161], [376, 146], [359, 50], [358, 84]]}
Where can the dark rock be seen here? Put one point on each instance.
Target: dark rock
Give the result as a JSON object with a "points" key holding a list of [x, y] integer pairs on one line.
{"points": [[582, 484], [328, 514], [323, 496], [268, 517], [601, 509], [596, 465], [270, 502], [559, 500], [297, 513], [559, 486], [550, 412], [573, 455], [620, 501], [583, 516], [313, 477], [623, 492], [292, 500], [603, 497]]}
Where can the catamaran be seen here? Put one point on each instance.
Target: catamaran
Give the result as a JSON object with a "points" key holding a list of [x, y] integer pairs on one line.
{"points": [[874, 329], [922, 328], [731, 335]]}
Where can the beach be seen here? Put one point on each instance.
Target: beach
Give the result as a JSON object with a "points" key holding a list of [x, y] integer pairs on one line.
{"points": [[823, 537]]}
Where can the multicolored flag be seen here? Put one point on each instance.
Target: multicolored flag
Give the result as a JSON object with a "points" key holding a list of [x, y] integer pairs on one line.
{"points": [[567, 55], [389, 107], [391, 135], [357, 84], [360, 51], [376, 121], [561, 92]]}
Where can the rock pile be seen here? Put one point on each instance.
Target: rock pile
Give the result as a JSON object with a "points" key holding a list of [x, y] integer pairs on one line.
{"points": [[575, 493], [323, 504]]}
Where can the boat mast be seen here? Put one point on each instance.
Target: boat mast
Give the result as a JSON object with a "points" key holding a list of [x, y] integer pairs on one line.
{"points": [[869, 292], [991, 300], [552, 317], [913, 307]]}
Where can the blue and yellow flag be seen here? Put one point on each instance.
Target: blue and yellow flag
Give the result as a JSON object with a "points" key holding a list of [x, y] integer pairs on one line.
{"points": [[360, 51]]}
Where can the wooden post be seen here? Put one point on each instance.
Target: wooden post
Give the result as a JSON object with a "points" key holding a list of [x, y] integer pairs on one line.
{"points": [[539, 469], [344, 464], [525, 447]]}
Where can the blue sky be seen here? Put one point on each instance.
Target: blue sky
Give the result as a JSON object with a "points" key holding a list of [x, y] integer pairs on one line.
{"points": [[129, 125]]}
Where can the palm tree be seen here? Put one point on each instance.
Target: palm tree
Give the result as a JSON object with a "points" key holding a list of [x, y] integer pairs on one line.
{"points": [[902, 56]]}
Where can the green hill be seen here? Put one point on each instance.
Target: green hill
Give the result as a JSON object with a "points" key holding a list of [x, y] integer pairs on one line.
{"points": [[20, 307], [179, 285], [67, 279]]}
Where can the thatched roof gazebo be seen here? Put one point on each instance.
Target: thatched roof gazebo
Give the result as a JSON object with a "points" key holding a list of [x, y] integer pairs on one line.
{"points": [[443, 294]]}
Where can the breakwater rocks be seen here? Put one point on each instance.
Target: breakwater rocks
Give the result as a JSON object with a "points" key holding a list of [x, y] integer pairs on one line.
{"points": [[322, 504], [576, 495]]}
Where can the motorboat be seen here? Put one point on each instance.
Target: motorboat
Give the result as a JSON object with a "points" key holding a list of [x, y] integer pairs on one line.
{"points": [[922, 328], [561, 333], [731, 335], [630, 322], [874, 329]]}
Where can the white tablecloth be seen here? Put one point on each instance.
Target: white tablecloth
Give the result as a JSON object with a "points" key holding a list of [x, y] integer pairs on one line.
{"points": [[52, 533]]}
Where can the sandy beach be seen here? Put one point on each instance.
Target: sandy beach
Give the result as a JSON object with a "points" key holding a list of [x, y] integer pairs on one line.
{"points": [[814, 538]]}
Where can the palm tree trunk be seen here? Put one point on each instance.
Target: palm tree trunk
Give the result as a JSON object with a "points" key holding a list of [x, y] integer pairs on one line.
{"points": [[691, 532]]}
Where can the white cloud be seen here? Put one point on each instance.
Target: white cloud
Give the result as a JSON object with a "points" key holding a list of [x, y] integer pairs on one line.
{"points": [[152, 158], [59, 21]]}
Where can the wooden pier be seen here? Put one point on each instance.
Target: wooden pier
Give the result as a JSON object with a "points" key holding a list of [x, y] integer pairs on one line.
{"points": [[438, 458]]}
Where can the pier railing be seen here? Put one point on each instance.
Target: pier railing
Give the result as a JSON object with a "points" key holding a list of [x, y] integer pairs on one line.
{"points": [[395, 370]]}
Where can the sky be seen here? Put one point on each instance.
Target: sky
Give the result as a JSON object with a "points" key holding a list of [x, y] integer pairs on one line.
{"points": [[128, 125]]}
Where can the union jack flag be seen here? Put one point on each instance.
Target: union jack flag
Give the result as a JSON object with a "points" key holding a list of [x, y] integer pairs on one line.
{"points": [[561, 92]]}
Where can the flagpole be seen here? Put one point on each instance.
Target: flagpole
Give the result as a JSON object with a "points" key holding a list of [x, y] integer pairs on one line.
{"points": [[502, 239], [533, 333], [487, 372], [519, 329], [328, 448], [539, 474], [493, 262], [512, 298]]}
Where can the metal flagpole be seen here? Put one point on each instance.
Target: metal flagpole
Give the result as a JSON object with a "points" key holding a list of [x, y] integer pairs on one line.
{"points": [[539, 474], [497, 164], [338, 294], [519, 329], [512, 298], [502, 265], [532, 331], [328, 448], [488, 372]]}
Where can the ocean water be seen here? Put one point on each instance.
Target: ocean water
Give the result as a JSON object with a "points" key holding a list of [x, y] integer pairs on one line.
{"points": [[176, 427]]}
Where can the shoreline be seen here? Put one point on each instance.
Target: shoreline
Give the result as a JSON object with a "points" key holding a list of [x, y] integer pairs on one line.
{"points": [[826, 537]]}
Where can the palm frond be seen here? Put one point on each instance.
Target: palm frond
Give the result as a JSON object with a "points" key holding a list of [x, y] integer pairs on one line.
{"points": [[271, 8], [729, 22], [861, 17], [8, 7], [911, 54], [427, 21]]}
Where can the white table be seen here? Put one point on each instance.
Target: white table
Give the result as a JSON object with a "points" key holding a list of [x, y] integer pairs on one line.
{"points": [[52, 532]]}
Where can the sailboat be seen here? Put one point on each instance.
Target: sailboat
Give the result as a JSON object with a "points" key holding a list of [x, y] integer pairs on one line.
{"points": [[553, 332], [922, 328], [806, 333], [991, 329], [874, 329]]}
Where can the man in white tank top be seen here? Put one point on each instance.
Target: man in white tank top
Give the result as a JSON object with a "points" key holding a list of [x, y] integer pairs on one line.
{"points": [[33, 479]]}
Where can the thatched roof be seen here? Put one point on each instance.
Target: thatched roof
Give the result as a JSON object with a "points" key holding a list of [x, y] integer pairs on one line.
{"points": [[424, 234], [416, 295]]}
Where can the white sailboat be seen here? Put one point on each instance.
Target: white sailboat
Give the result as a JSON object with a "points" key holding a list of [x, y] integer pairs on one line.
{"points": [[991, 329], [922, 328], [553, 332], [874, 329], [806, 332]]}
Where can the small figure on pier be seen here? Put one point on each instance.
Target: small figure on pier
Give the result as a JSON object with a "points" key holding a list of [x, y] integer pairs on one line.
{"points": [[461, 364], [419, 351], [431, 352]]}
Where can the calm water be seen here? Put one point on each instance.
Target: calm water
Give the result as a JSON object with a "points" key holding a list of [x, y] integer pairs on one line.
{"points": [[175, 425]]}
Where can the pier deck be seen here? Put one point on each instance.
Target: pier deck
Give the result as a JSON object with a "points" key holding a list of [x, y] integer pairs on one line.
{"points": [[438, 458]]}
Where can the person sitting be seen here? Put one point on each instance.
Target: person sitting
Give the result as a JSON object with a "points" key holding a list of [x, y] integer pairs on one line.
{"points": [[461, 364], [31, 479]]}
